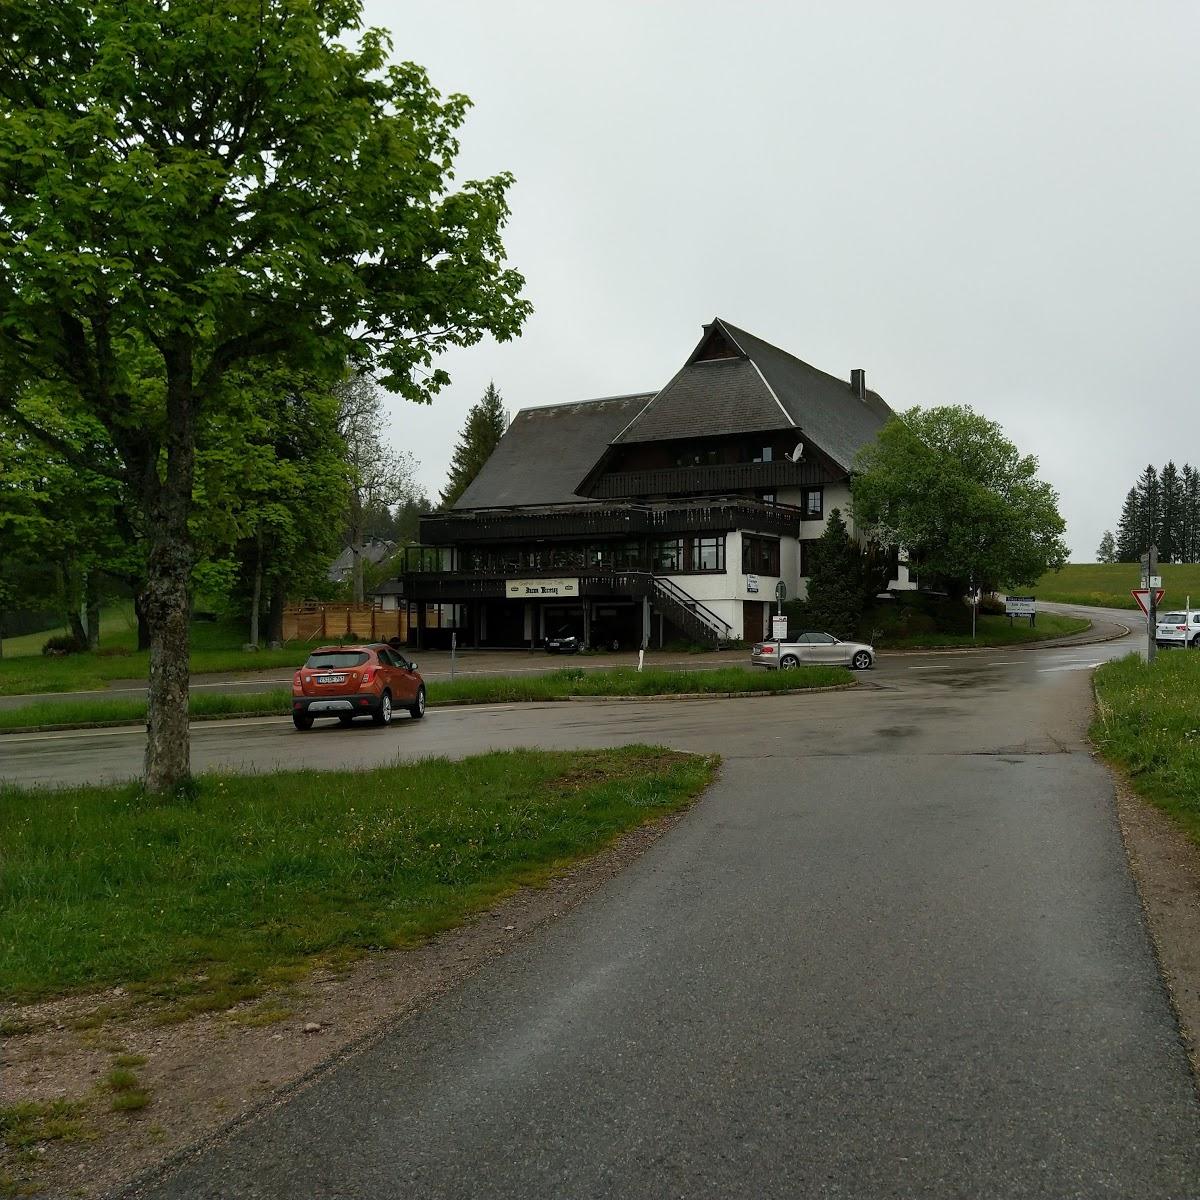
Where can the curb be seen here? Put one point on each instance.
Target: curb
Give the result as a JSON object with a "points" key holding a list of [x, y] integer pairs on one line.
{"points": [[1046, 644], [829, 687]]}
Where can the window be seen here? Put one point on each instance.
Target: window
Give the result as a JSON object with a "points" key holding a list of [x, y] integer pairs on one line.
{"points": [[814, 502], [336, 659], [628, 556], [767, 497], [708, 553], [762, 454], [668, 555], [760, 556]]}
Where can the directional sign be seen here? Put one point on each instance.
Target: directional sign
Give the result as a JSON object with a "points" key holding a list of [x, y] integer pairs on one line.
{"points": [[1142, 596]]}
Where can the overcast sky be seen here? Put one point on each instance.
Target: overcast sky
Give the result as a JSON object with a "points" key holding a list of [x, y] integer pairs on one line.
{"points": [[984, 204]]}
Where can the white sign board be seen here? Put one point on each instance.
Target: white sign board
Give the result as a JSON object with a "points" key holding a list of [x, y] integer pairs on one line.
{"points": [[542, 589], [1020, 606], [752, 583], [779, 628], [1155, 581]]}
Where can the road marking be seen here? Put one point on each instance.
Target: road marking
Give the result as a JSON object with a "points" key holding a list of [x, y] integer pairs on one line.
{"points": [[1069, 667]]}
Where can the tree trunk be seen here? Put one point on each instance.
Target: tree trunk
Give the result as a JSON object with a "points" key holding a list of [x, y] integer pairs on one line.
{"points": [[93, 617], [143, 626], [166, 599], [275, 612], [256, 599], [356, 560]]}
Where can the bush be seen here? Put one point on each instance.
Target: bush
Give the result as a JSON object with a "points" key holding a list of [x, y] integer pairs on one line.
{"points": [[62, 643], [992, 606]]}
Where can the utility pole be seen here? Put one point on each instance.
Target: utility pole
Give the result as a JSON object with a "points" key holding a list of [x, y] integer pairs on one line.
{"points": [[1149, 571]]}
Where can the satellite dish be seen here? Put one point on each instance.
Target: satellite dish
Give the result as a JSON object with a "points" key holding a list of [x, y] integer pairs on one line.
{"points": [[797, 454]]}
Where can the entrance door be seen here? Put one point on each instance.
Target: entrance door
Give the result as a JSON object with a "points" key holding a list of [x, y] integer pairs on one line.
{"points": [[753, 621]]}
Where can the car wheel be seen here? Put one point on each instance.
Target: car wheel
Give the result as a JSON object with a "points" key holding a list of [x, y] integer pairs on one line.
{"points": [[789, 662], [1195, 642], [417, 708], [383, 714], [861, 661], [302, 721]]}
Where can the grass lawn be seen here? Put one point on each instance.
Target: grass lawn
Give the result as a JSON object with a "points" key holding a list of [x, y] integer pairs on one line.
{"points": [[992, 630], [486, 690], [202, 904], [1107, 585], [1148, 723]]}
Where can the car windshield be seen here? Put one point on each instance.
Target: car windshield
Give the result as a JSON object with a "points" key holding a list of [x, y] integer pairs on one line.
{"points": [[1173, 618], [324, 660]]}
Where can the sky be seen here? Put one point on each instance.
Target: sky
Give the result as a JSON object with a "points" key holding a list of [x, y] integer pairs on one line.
{"points": [[984, 204]]}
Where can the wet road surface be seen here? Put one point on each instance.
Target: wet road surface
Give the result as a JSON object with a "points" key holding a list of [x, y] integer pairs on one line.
{"points": [[894, 952]]}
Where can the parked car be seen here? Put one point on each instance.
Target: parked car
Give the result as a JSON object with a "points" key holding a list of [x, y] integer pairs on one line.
{"points": [[356, 681], [565, 641], [812, 647], [1178, 629]]}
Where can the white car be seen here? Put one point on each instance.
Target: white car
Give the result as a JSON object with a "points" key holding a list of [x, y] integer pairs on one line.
{"points": [[1178, 629], [812, 646]]}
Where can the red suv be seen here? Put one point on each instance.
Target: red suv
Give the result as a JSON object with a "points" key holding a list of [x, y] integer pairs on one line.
{"points": [[354, 681]]}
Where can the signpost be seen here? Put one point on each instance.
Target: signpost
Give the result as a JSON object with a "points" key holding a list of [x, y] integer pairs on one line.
{"points": [[1151, 583], [1021, 606], [779, 621]]}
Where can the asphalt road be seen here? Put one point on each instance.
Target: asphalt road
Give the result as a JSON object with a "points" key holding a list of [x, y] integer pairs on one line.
{"points": [[894, 952]]}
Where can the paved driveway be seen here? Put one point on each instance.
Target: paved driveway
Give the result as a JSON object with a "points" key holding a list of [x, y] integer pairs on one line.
{"points": [[895, 952]]}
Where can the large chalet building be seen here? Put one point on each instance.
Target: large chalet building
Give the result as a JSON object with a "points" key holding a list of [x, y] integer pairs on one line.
{"points": [[637, 519]]}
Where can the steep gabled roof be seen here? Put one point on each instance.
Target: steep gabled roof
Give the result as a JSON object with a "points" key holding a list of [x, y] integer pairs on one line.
{"points": [[707, 397], [734, 382], [824, 407], [545, 452]]}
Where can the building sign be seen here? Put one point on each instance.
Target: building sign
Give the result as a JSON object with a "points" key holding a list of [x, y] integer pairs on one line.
{"points": [[752, 583], [1020, 606], [542, 589]]}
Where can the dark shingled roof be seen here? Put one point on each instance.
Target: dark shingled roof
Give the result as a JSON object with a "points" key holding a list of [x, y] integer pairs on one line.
{"points": [[824, 407], [546, 452], [723, 395]]}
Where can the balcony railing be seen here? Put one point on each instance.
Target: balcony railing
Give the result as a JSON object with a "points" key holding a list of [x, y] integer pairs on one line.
{"points": [[604, 521], [709, 477]]}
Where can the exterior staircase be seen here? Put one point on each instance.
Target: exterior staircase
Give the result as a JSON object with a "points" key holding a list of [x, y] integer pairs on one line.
{"points": [[685, 611]]}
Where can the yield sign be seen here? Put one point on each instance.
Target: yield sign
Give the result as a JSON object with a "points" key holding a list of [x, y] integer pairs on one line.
{"points": [[1142, 596]]}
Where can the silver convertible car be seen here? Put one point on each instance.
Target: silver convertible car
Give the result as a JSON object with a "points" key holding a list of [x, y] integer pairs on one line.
{"points": [[812, 647]]}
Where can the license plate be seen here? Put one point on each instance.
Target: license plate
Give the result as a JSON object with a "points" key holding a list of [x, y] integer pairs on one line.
{"points": [[331, 679]]}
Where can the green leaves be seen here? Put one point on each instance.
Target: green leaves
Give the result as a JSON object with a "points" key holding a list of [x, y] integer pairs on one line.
{"points": [[949, 486]]}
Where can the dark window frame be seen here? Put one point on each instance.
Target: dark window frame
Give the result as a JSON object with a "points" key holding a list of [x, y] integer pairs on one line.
{"points": [[694, 550], [809, 513], [760, 555]]}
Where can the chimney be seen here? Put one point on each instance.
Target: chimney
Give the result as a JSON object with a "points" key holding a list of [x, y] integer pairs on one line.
{"points": [[858, 382]]}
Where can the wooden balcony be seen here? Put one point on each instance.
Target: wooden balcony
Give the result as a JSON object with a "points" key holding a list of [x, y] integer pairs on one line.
{"points": [[619, 521], [710, 478]]}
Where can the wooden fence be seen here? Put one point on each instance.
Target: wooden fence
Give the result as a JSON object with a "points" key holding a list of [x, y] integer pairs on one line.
{"points": [[312, 621]]}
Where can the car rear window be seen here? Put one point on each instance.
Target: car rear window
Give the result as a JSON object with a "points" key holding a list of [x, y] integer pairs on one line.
{"points": [[1174, 618], [336, 659]]}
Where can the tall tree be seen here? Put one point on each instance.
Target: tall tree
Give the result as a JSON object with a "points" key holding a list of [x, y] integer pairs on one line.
{"points": [[481, 433], [379, 475], [947, 484], [1107, 551], [835, 581], [188, 187], [1129, 528], [1190, 522], [1149, 513], [1170, 514]]}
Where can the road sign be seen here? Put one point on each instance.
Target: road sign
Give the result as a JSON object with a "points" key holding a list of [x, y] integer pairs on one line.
{"points": [[781, 591], [779, 629], [1155, 581], [1142, 596]]}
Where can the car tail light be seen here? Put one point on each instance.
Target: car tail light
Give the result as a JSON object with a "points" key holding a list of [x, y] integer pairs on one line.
{"points": [[1181, 628], [297, 680], [768, 649], [368, 676]]}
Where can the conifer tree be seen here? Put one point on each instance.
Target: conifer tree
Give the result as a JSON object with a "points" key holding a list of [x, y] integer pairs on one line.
{"points": [[484, 426], [1190, 520], [835, 591], [1128, 535], [1149, 509], [1170, 514]]}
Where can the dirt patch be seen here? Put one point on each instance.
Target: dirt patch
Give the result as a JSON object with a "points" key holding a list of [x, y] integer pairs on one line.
{"points": [[1166, 866], [209, 1071]]}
